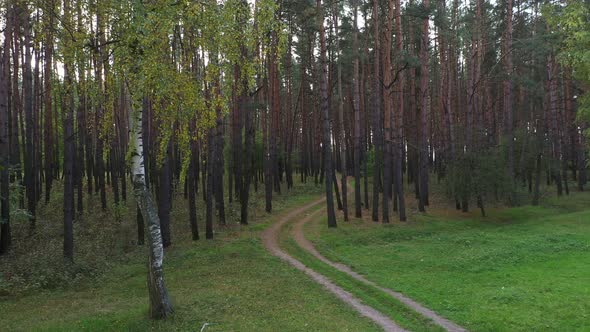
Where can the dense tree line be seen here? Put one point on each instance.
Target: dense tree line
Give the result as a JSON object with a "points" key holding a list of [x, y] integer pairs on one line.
{"points": [[182, 96]]}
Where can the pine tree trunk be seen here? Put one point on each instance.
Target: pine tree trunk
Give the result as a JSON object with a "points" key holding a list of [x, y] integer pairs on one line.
{"points": [[424, 112], [79, 160], [209, 186], [219, 162], [191, 190], [5, 235], [101, 72], [387, 111], [249, 127], [236, 135], [37, 114], [326, 119], [364, 119], [342, 131], [48, 125], [399, 119], [536, 193], [89, 157], [81, 134], [68, 125], [554, 114], [291, 113], [266, 161], [582, 160], [376, 113], [30, 184], [508, 109], [357, 117], [15, 150], [165, 196], [275, 111]]}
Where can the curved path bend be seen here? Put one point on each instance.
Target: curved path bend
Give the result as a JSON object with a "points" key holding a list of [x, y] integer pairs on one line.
{"points": [[310, 248], [270, 239]]}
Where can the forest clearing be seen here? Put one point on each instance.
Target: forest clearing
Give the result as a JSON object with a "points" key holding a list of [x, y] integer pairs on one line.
{"points": [[518, 269], [294, 165]]}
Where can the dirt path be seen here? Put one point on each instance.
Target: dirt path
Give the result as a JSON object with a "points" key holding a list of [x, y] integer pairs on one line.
{"points": [[309, 247], [270, 238]]}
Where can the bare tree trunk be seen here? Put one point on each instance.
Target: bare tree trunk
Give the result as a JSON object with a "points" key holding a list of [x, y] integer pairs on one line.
{"points": [[248, 160], [266, 161], [508, 110], [68, 125], [15, 151], [191, 188], [90, 156], [554, 114], [424, 111], [326, 119], [81, 134], [291, 112], [582, 161], [275, 110], [357, 117], [27, 83], [388, 110], [48, 125], [364, 117], [165, 196], [37, 114], [342, 133], [209, 186], [5, 235], [376, 113], [219, 158], [98, 159], [538, 166], [80, 122], [399, 119]]}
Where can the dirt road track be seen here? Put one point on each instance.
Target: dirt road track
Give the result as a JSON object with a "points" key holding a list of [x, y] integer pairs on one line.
{"points": [[309, 247], [270, 239]]}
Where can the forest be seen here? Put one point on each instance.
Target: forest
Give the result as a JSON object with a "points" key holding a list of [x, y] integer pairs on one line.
{"points": [[393, 165]]}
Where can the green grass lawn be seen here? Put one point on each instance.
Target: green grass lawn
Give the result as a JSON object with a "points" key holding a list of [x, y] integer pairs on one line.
{"points": [[236, 285], [399, 313], [231, 282], [520, 269]]}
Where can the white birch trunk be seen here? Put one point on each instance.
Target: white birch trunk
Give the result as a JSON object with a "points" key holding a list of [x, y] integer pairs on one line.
{"points": [[160, 306]]}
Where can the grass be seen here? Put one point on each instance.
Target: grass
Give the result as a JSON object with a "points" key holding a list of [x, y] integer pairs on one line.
{"points": [[106, 238], [230, 282], [235, 285], [520, 269], [367, 294]]}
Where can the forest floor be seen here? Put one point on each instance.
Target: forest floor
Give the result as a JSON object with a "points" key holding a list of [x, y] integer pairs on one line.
{"points": [[518, 269], [231, 283], [270, 238], [524, 268], [299, 237]]}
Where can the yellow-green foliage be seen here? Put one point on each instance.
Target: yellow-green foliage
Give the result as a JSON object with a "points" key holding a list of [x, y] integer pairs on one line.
{"points": [[159, 42], [572, 21], [149, 49]]}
